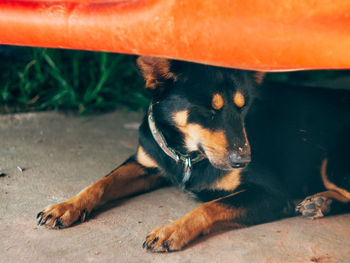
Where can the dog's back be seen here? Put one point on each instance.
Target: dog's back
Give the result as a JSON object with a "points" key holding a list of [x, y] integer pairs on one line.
{"points": [[292, 129]]}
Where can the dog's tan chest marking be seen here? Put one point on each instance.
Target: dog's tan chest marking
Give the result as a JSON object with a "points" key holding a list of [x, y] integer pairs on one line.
{"points": [[217, 101], [229, 182], [238, 99], [143, 158]]}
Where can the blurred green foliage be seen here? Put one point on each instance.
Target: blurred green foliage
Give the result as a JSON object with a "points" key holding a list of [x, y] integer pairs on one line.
{"points": [[33, 79]]}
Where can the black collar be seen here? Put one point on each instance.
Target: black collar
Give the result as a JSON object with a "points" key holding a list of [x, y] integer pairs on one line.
{"points": [[172, 153]]}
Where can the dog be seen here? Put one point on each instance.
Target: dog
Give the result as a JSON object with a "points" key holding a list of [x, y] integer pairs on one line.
{"points": [[250, 151]]}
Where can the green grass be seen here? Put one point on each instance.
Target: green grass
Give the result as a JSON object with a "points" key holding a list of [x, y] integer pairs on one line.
{"points": [[34, 79]]}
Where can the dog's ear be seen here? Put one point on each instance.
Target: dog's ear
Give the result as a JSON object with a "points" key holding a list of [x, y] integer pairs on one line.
{"points": [[259, 77], [155, 71]]}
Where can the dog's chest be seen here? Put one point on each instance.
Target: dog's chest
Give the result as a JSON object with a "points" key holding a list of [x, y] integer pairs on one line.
{"points": [[206, 182]]}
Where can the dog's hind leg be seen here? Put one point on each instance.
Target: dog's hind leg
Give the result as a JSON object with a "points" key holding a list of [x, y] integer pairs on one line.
{"points": [[335, 174], [128, 179], [322, 204]]}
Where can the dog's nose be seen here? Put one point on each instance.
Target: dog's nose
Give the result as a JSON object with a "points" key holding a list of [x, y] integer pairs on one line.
{"points": [[239, 160]]}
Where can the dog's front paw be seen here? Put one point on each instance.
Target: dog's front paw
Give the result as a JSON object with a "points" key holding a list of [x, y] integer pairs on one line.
{"points": [[62, 215], [171, 237], [314, 206]]}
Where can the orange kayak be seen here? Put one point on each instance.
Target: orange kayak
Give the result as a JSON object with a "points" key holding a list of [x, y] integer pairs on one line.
{"points": [[273, 35]]}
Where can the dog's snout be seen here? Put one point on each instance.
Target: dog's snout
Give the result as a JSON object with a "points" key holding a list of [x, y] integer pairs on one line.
{"points": [[239, 160]]}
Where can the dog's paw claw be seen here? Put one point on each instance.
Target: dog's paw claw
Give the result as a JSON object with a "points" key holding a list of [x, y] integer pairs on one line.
{"points": [[42, 218], [165, 245], [39, 214], [314, 206], [43, 221], [57, 223], [39, 221], [148, 244]]}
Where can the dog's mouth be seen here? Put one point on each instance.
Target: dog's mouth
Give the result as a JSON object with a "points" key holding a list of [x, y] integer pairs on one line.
{"points": [[226, 167], [239, 165]]}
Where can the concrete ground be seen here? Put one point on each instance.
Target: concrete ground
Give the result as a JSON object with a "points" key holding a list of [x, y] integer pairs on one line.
{"points": [[59, 155]]}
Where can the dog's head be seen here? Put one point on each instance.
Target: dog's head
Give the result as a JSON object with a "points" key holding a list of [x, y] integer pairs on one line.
{"points": [[201, 108]]}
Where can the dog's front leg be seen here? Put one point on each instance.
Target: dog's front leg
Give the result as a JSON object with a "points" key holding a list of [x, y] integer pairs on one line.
{"points": [[237, 210], [128, 179]]}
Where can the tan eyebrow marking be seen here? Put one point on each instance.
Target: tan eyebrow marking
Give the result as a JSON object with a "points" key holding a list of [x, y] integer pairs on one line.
{"points": [[217, 102], [230, 181], [238, 99]]}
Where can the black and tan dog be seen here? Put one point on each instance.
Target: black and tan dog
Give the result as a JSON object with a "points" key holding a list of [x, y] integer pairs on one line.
{"points": [[249, 152]]}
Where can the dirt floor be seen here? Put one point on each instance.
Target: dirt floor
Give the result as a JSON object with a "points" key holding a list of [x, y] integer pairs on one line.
{"points": [[48, 157]]}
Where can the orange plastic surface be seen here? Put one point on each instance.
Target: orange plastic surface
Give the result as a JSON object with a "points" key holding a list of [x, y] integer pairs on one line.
{"points": [[251, 34]]}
